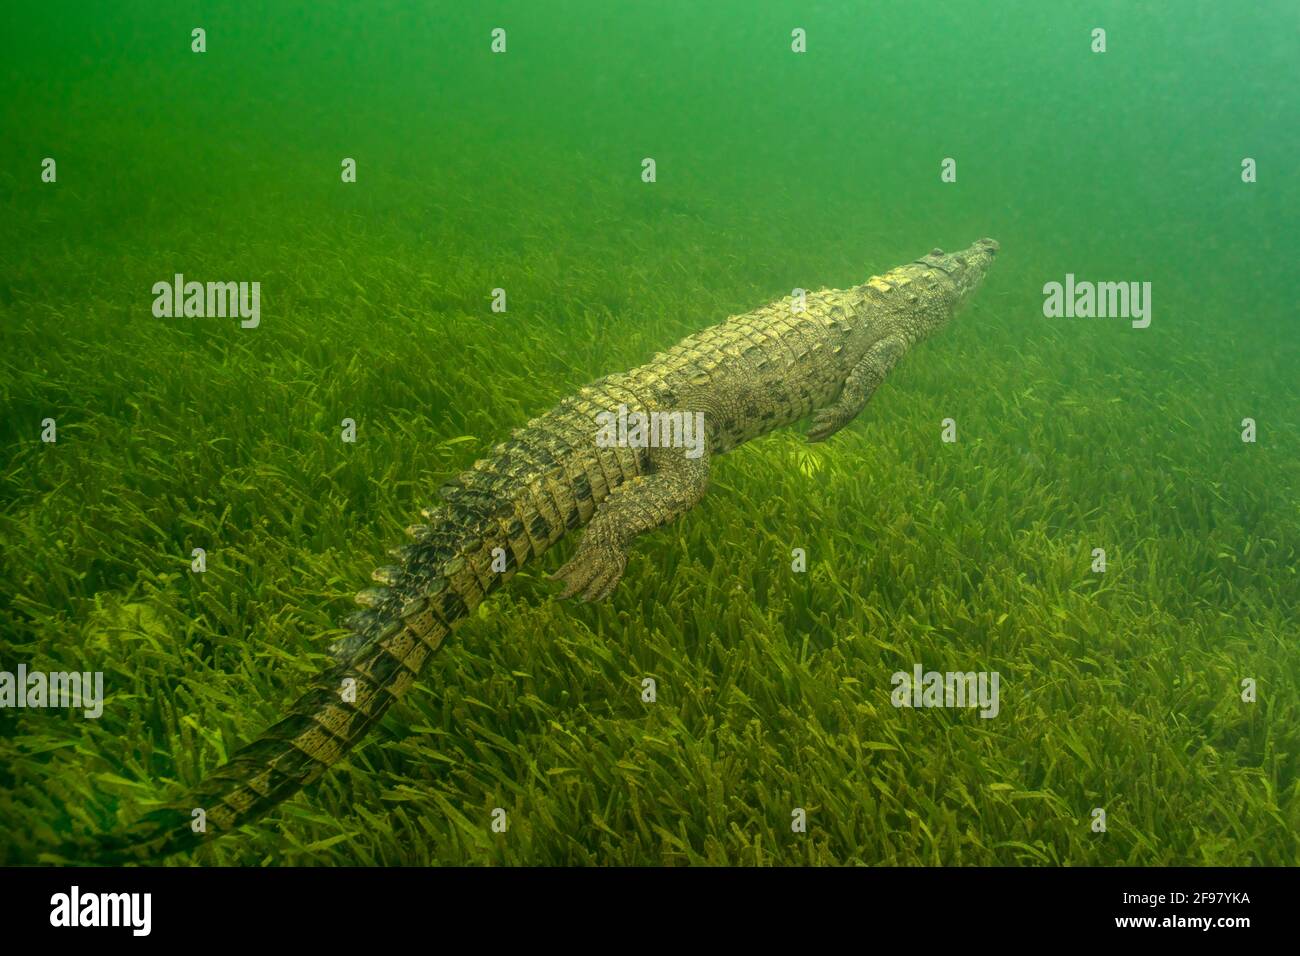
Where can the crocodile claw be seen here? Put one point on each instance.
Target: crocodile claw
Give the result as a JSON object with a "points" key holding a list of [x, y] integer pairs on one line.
{"points": [[825, 423], [592, 573]]}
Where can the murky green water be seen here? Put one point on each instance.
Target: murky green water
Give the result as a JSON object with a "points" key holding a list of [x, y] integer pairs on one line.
{"points": [[792, 145]]}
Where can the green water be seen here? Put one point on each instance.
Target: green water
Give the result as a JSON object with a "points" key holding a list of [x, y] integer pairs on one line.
{"points": [[774, 169]]}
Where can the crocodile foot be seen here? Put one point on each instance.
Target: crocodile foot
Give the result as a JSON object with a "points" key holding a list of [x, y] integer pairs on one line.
{"points": [[825, 423], [592, 573]]}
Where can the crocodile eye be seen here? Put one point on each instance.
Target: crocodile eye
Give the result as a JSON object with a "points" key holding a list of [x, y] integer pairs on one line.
{"points": [[936, 252]]}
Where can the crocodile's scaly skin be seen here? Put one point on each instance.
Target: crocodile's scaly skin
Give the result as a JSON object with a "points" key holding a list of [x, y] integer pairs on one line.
{"points": [[748, 376]]}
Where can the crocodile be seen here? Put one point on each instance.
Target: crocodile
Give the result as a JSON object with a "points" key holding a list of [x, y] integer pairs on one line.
{"points": [[820, 354]]}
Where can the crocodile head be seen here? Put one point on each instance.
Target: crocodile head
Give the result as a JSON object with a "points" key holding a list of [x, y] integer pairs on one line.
{"points": [[937, 285], [967, 268]]}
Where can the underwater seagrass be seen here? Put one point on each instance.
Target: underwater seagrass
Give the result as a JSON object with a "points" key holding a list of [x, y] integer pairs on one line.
{"points": [[823, 354]]}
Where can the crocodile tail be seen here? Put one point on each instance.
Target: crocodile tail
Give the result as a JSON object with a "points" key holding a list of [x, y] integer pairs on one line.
{"points": [[326, 722], [502, 513]]}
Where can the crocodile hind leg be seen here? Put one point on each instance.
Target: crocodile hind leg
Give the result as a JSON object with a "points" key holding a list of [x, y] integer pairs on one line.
{"points": [[862, 381], [672, 486]]}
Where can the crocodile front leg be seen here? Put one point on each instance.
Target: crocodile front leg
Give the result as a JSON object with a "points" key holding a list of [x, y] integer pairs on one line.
{"points": [[862, 381], [671, 488]]}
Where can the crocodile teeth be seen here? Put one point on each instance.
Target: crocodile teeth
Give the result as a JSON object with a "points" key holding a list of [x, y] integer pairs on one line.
{"points": [[372, 597], [387, 575]]}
